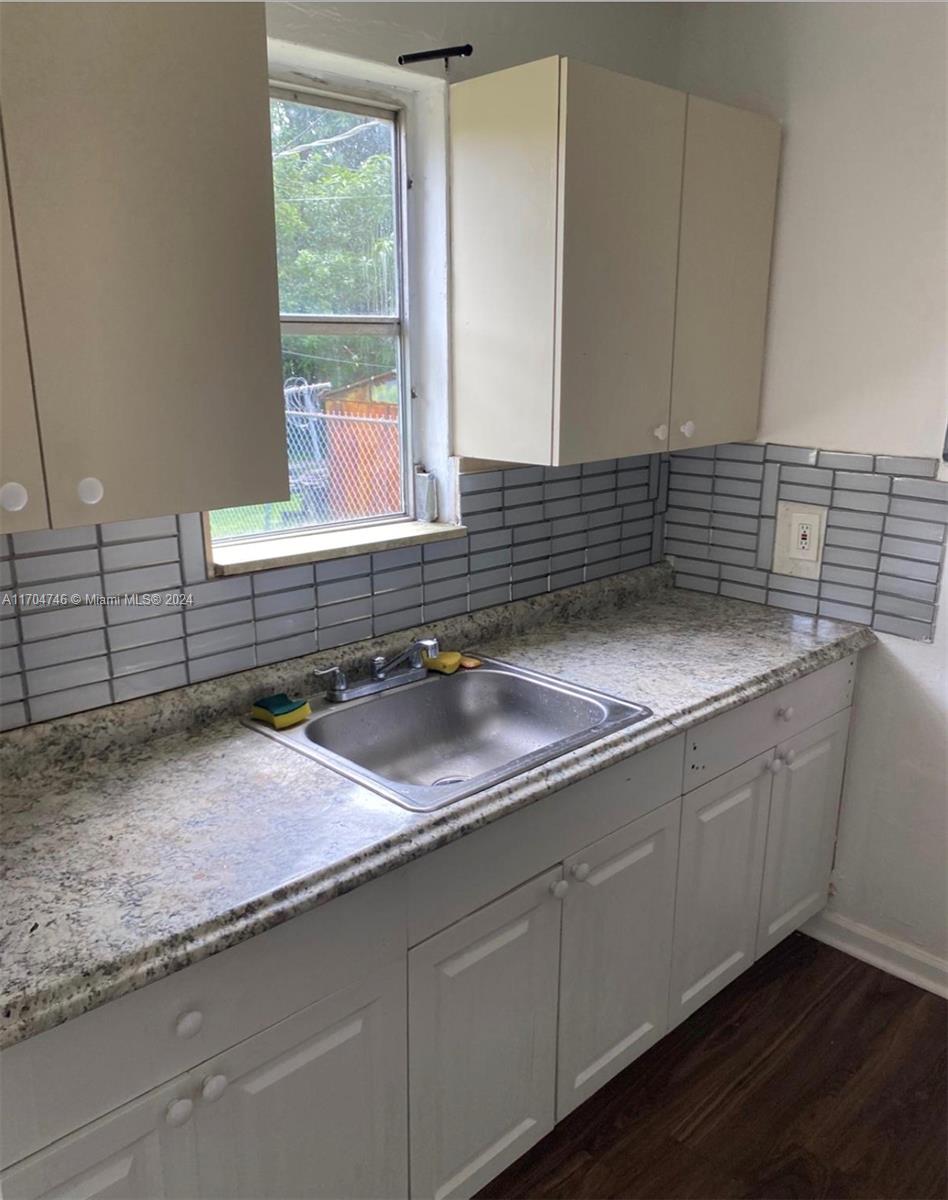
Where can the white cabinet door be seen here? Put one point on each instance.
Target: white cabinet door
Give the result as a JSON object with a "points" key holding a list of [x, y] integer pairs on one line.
{"points": [[482, 1037], [24, 506], [727, 216], [723, 829], [142, 194], [141, 1151], [616, 953], [314, 1106], [802, 829]]}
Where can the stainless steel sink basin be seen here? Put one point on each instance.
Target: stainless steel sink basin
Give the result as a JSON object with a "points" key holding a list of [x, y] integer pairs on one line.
{"points": [[429, 743]]}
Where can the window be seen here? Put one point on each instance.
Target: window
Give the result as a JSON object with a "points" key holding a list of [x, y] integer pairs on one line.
{"points": [[337, 180]]}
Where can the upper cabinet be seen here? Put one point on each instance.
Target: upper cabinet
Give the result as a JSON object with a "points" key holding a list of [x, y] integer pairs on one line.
{"points": [[138, 147], [597, 220], [22, 487]]}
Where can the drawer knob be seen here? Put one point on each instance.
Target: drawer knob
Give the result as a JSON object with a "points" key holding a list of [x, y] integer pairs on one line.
{"points": [[786, 714], [688, 429], [213, 1087], [179, 1112], [90, 490], [774, 766], [661, 432], [788, 756], [559, 889], [189, 1023], [580, 872], [13, 497]]}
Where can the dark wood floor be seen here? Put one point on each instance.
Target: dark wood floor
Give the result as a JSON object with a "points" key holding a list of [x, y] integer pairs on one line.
{"points": [[814, 1075]]}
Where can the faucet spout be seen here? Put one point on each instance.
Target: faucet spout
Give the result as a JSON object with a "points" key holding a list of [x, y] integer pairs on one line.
{"points": [[414, 655]]}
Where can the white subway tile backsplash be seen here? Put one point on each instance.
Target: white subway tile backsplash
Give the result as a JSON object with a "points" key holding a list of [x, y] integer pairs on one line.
{"points": [[273, 604], [78, 699], [64, 649], [124, 555], [147, 683], [146, 658], [66, 675], [42, 568], [46, 540], [130, 531], [216, 665]]}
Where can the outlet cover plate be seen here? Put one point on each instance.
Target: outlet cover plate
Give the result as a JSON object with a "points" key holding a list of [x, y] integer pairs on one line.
{"points": [[784, 561]]}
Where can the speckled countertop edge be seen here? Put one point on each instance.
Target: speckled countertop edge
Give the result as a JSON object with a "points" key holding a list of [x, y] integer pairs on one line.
{"points": [[44, 1007]]}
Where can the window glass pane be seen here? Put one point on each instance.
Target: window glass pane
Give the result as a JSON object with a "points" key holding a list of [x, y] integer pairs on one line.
{"points": [[343, 433], [334, 192]]}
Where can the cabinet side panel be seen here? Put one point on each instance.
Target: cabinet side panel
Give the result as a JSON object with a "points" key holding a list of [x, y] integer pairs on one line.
{"points": [[20, 460], [503, 232], [146, 237], [621, 190], [727, 216]]}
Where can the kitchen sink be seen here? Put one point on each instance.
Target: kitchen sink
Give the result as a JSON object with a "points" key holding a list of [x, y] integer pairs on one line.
{"points": [[427, 744]]}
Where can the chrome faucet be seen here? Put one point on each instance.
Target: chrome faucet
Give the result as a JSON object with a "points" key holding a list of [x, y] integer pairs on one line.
{"points": [[414, 655], [339, 690]]}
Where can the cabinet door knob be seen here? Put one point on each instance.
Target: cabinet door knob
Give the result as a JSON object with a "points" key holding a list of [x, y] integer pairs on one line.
{"points": [[213, 1087], [179, 1112], [90, 490], [786, 714], [580, 872], [774, 765], [688, 428], [189, 1023], [559, 889], [13, 497], [661, 432], [788, 756]]}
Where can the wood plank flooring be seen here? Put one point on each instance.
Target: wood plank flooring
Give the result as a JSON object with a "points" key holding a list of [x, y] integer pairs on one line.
{"points": [[812, 1076]]}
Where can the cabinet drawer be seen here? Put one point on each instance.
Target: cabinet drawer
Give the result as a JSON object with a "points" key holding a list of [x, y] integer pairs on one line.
{"points": [[130, 1045], [726, 741], [445, 886]]}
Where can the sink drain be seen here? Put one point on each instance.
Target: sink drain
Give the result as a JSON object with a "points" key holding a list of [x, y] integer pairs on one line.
{"points": [[446, 779]]}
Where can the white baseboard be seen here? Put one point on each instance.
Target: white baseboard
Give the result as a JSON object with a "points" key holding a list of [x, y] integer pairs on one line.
{"points": [[881, 950]]}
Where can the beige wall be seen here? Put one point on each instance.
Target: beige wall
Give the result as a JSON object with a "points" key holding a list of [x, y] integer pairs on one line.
{"points": [[639, 39], [856, 339]]}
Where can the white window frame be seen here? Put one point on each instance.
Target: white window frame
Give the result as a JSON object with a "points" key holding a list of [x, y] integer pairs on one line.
{"points": [[421, 105]]}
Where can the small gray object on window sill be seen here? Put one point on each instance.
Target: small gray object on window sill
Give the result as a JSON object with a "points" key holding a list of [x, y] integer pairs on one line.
{"points": [[426, 496]]}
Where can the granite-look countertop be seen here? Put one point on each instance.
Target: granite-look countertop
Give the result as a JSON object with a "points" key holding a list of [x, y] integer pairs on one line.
{"points": [[151, 854]]}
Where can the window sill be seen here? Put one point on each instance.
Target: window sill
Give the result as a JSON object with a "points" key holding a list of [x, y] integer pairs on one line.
{"points": [[239, 558]]}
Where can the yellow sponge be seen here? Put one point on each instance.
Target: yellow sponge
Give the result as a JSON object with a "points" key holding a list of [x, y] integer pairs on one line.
{"points": [[447, 662], [280, 711]]}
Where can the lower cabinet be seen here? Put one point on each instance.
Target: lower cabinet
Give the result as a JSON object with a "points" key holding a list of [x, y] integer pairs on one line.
{"points": [[804, 804], [515, 1013], [721, 859], [141, 1151], [615, 953], [314, 1106], [482, 1036]]}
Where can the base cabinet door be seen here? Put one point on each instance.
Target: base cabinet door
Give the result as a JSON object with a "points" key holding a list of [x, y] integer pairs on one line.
{"points": [[141, 1151], [721, 858], [802, 830], [615, 953], [482, 1038], [315, 1106]]}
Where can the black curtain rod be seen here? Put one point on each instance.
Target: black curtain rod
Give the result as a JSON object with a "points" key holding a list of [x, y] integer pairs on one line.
{"points": [[465, 51]]}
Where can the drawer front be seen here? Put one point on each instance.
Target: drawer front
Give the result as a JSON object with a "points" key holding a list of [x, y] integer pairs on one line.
{"points": [[130, 1045], [445, 886], [727, 741]]}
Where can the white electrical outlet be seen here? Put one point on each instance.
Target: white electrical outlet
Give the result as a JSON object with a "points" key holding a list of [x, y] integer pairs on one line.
{"points": [[798, 539]]}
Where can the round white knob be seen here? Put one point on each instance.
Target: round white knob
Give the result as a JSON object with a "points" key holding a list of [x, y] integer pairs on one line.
{"points": [[13, 497], [90, 490], [661, 432], [213, 1087], [688, 428], [179, 1112], [580, 871], [788, 756], [774, 766], [559, 889], [786, 714], [189, 1023]]}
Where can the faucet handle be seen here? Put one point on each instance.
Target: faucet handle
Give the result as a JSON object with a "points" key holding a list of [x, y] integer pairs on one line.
{"points": [[336, 682]]}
